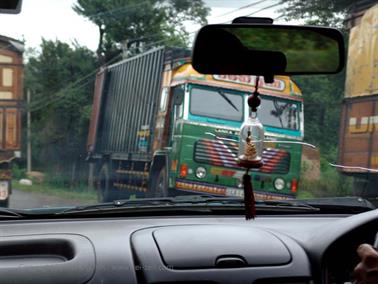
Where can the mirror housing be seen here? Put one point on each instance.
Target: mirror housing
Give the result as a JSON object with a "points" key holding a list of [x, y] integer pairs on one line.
{"points": [[178, 95], [10, 6], [267, 50]]}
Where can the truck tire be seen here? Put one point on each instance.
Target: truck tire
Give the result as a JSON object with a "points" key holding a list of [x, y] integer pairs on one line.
{"points": [[159, 184], [105, 190]]}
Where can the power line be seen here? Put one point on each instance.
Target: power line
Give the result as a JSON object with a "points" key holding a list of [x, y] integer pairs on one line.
{"points": [[241, 8], [265, 8], [118, 9], [62, 97], [59, 95]]}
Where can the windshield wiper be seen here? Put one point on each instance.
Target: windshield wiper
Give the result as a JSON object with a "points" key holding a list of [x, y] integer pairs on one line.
{"points": [[350, 204], [7, 213], [191, 202], [223, 95], [199, 204]]}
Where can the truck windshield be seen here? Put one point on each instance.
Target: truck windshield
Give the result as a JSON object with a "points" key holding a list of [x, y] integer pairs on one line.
{"points": [[279, 113], [216, 103]]}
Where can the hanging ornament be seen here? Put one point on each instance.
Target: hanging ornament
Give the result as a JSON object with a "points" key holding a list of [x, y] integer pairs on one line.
{"points": [[250, 151], [251, 143]]}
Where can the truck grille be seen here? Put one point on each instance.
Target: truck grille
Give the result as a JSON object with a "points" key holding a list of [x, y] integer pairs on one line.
{"points": [[223, 153]]}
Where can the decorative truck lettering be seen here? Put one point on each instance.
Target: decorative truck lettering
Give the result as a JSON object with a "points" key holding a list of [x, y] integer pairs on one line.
{"points": [[363, 124]]}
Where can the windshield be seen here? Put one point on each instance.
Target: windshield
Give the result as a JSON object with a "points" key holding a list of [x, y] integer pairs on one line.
{"points": [[279, 113], [216, 104], [99, 102]]}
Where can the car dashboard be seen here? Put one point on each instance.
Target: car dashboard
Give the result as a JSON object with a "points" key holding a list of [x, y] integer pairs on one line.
{"points": [[176, 249]]}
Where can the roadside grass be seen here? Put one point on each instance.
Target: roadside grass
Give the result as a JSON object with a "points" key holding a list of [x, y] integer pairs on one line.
{"points": [[87, 195], [331, 183]]}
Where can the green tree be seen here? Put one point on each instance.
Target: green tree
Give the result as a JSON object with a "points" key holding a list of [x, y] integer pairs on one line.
{"points": [[322, 94], [322, 106], [135, 25], [62, 89], [321, 12]]}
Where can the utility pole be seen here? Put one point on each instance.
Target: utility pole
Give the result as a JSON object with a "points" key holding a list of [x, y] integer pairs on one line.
{"points": [[28, 123]]}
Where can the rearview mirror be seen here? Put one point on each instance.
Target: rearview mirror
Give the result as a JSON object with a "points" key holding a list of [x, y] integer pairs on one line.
{"points": [[266, 49]]}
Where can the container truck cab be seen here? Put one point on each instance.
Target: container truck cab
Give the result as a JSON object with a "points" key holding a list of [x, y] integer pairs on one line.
{"points": [[190, 142], [201, 134]]}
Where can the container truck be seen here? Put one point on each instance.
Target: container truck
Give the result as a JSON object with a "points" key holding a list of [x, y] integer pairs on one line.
{"points": [[11, 90], [358, 139], [158, 128]]}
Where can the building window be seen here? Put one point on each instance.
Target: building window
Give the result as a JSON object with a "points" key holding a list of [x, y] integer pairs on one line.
{"points": [[7, 77], [5, 59], [5, 95]]}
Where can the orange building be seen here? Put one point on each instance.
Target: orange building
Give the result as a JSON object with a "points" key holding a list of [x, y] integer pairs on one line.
{"points": [[11, 96]]}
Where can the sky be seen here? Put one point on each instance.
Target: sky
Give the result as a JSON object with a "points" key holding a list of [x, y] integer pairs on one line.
{"points": [[55, 19]]}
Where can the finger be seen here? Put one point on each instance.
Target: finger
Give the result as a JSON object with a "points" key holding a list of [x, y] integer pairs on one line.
{"points": [[366, 249], [359, 273], [369, 256]]}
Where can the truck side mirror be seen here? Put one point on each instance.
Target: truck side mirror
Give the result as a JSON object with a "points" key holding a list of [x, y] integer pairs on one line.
{"points": [[178, 95]]}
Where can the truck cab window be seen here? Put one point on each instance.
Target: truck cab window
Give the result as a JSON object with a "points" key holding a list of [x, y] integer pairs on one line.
{"points": [[216, 103], [279, 113]]}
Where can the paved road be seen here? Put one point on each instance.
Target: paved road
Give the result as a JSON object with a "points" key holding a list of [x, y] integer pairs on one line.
{"points": [[22, 199]]}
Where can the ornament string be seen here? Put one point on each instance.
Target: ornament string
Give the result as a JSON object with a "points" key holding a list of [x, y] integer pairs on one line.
{"points": [[249, 197]]}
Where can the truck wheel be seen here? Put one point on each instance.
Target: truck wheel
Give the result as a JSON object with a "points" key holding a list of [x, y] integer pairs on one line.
{"points": [[160, 184], [105, 191]]}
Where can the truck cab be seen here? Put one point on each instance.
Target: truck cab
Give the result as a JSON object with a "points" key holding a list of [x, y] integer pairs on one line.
{"points": [[198, 125]]}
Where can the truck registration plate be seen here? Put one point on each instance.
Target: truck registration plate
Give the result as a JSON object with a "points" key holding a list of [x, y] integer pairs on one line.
{"points": [[4, 190]]}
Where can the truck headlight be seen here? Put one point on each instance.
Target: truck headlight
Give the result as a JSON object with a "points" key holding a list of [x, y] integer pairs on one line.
{"points": [[200, 172], [239, 183], [279, 184]]}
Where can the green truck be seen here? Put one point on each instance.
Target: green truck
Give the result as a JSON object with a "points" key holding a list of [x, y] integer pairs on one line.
{"points": [[159, 128]]}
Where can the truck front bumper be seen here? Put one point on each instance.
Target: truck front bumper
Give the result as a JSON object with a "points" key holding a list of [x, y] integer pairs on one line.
{"points": [[219, 190]]}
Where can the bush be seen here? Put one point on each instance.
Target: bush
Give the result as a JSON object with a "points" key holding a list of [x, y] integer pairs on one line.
{"points": [[330, 184], [18, 172]]}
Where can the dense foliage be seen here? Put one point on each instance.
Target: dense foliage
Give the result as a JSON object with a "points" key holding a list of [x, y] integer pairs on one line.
{"points": [[322, 106], [60, 78], [321, 12], [322, 94], [133, 26]]}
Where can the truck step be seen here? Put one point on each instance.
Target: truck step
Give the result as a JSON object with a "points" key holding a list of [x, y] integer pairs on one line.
{"points": [[129, 187], [134, 173]]}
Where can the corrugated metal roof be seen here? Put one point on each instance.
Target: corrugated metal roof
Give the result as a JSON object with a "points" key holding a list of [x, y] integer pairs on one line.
{"points": [[11, 44]]}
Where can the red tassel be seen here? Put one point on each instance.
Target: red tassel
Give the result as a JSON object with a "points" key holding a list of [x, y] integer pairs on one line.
{"points": [[249, 198]]}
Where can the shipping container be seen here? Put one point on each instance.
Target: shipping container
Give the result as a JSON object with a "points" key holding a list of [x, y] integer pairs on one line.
{"points": [[359, 134], [125, 104], [358, 139]]}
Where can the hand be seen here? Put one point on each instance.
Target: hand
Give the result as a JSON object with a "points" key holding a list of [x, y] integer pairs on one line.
{"points": [[366, 272]]}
